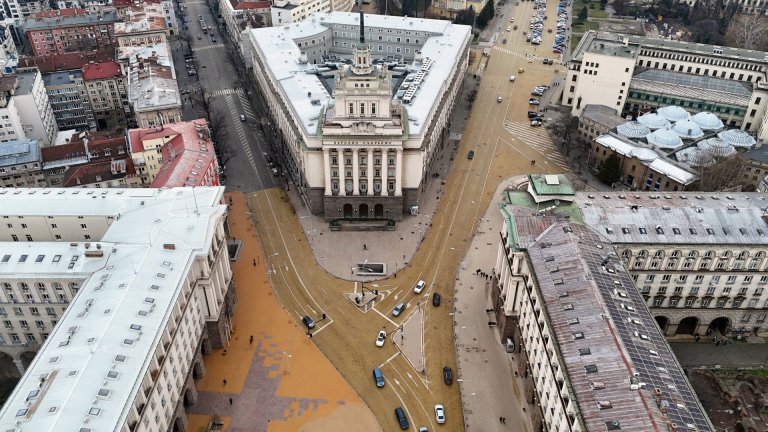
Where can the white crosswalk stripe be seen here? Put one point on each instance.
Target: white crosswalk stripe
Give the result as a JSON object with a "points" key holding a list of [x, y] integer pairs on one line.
{"points": [[240, 131], [246, 104], [207, 47], [223, 92], [538, 139], [526, 55]]}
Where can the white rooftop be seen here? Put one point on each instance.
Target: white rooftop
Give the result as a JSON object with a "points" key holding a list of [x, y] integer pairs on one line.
{"points": [[90, 368], [300, 87], [660, 164]]}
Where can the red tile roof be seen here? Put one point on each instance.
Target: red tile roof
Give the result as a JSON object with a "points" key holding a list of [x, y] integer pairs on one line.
{"points": [[189, 158], [95, 172], [63, 152], [99, 144], [96, 71], [60, 13], [68, 61]]}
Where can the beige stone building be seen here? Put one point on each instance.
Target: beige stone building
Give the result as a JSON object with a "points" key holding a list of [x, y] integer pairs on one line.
{"points": [[21, 164]]}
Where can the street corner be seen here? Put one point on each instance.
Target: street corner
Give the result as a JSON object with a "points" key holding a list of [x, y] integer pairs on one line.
{"points": [[409, 338]]}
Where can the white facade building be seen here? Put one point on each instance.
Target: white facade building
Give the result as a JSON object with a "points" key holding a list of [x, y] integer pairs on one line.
{"points": [[125, 289], [12, 130], [34, 108], [359, 140], [290, 11], [634, 74], [591, 353]]}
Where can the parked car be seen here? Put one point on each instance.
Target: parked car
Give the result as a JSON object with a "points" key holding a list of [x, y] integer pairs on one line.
{"points": [[535, 123], [419, 287], [447, 375], [533, 101], [439, 414], [402, 420], [309, 322], [378, 377], [380, 338], [498, 99], [471, 154], [435, 299], [398, 309], [532, 114], [512, 78]]}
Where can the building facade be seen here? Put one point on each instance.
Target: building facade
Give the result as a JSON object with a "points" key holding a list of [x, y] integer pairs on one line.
{"points": [[635, 74], [596, 120], [286, 12], [241, 15], [35, 111], [108, 94], [69, 100], [588, 349], [10, 128], [69, 30], [9, 56], [189, 158], [141, 25], [161, 305], [354, 150]]}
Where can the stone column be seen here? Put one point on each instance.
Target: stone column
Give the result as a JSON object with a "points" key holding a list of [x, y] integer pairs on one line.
{"points": [[355, 172], [370, 171], [399, 173], [342, 180], [327, 168], [384, 171], [20, 366]]}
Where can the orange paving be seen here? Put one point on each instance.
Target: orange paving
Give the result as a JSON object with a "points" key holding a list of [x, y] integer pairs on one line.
{"points": [[306, 374]]}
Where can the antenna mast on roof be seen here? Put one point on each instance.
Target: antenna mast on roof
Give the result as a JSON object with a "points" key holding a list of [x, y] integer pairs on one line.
{"points": [[362, 24]]}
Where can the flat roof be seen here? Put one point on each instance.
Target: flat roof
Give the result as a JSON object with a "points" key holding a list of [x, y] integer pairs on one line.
{"points": [[104, 340], [695, 81], [26, 80], [660, 164], [81, 19], [19, 152], [677, 218], [442, 44], [53, 79], [605, 335]]}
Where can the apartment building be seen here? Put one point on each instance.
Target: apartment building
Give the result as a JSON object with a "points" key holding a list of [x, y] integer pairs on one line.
{"points": [[69, 61], [130, 10], [21, 164], [188, 158], [69, 100], [10, 121], [34, 107], [591, 354], [634, 74], [359, 162], [142, 25], [152, 90], [125, 321], [9, 56], [108, 95], [288, 11], [20, 9], [241, 15], [116, 173], [69, 30], [83, 149]]}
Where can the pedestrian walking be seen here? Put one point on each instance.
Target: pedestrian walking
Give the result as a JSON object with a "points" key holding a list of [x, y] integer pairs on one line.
{"points": [[365, 247], [224, 381], [504, 420], [254, 262], [230, 401], [250, 340], [697, 338], [717, 343], [500, 419]]}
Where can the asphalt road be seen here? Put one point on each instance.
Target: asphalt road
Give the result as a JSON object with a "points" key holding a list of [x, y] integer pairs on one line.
{"points": [[244, 147]]}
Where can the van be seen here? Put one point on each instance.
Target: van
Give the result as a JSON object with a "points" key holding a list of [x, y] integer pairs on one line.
{"points": [[401, 418], [378, 377], [510, 345]]}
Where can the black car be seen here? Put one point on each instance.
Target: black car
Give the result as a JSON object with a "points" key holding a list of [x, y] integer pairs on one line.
{"points": [[401, 418], [447, 375], [309, 322], [436, 299], [532, 114], [471, 154]]}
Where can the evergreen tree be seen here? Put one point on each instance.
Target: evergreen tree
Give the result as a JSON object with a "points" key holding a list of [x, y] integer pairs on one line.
{"points": [[466, 17], [486, 14], [609, 170]]}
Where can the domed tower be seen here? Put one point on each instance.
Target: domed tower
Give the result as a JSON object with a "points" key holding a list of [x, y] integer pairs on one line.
{"points": [[361, 55]]}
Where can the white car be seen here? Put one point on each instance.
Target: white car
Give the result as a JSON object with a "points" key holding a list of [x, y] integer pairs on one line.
{"points": [[419, 287], [380, 338], [535, 123], [439, 414], [533, 101]]}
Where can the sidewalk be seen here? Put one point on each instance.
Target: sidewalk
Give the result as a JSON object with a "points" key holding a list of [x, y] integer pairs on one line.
{"points": [[281, 381], [488, 388]]}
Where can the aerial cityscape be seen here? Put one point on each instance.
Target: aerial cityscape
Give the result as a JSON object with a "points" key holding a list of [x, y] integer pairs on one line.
{"points": [[379, 215]]}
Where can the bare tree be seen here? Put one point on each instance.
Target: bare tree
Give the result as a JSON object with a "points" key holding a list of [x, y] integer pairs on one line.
{"points": [[724, 175], [748, 32]]}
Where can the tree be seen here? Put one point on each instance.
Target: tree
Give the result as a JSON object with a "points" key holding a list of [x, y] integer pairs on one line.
{"points": [[725, 174], [620, 7], [707, 32], [466, 16], [409, 7], [583, 14], [486, 14], [748, 31], [609, 170]]}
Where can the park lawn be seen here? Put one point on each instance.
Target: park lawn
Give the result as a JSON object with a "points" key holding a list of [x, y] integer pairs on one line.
{"points": [[597, 13]]}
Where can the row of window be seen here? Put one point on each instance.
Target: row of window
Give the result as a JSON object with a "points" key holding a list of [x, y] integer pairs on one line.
{"points": [[714, 280], [697, 71], [706, 303], [698, 104], [704, 60]]}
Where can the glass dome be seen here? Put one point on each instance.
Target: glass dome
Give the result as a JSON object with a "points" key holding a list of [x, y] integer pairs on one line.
{"points": [[633, 129], [688, 129], [737, 138], [707, 121], [664, 138], [693, 156], [653, 121], [716, 147], [673, 113]]}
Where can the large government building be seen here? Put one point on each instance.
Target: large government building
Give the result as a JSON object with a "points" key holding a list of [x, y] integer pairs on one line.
{"points": [[361, 105], [120, 292], [634, 74]]}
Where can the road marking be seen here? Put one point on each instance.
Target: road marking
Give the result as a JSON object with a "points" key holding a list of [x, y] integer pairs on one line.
{"points": [[207, 47], [389, 359], [223, 92], [418, 400], [385, 317]]}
